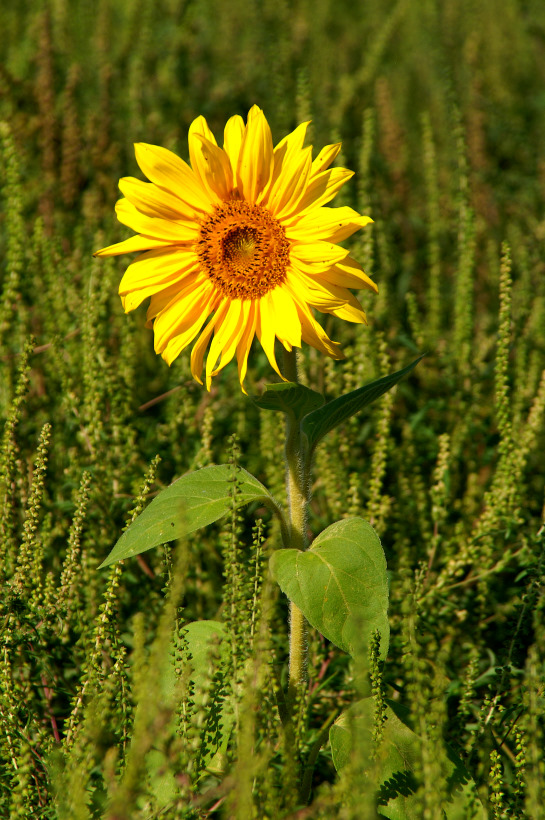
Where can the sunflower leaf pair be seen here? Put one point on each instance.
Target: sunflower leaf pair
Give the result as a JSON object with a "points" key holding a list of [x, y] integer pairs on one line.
{"points": [[317, 418], [291, 398], [202, 497]]}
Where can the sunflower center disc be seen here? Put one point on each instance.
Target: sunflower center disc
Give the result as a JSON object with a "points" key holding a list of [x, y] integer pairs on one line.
{"points": [[238, 247], [243, 249]]}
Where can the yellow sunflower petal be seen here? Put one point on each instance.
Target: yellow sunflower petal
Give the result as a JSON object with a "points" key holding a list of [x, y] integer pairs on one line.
{"points": [[232, 140], [290, 145], [291, 185], [325, 158], [226, 337], [159, 301], [215, 168], [313, 292], [287, 322], [200, 126], [209, 162], [189, 329], [153, 201], [132, 244], [318, 254], [288, 148], [314, 334], [245, 342], [349, 274], [244, 327], [161, 295], [172, 174], [254, 112], [199, 349], [333, 224], [323, 187], [351, 311], [155, 268], [162, 299], [185, 306], [255, 161], [173, 232], [266, 330]]}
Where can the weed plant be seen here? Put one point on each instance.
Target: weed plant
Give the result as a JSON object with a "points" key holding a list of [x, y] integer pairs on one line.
{"points": [[440, 108]]}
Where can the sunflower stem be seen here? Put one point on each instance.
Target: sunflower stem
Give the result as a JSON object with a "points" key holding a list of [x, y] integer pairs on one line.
{"points": [[298, 497]]}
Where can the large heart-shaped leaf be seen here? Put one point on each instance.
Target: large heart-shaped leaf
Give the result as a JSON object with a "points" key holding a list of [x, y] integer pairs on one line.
{"points": [[317, 424], [192, 502], [398, 758], [289, 397], [339, 584]]}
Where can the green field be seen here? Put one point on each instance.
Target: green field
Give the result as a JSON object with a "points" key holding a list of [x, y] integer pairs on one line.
{"points": [[440, 107]]}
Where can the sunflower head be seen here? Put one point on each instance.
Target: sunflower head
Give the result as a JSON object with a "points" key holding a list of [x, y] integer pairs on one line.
{"points": [[238, 244]]}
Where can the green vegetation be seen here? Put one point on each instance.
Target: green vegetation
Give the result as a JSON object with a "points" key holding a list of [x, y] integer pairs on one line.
{"points": [[114, 704]]}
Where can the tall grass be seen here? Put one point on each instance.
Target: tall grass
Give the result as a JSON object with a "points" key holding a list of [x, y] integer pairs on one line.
{"points": [[441, 111]]}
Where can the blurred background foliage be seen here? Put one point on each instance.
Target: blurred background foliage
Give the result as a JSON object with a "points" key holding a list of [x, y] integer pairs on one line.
{"points": [[441, 110]]}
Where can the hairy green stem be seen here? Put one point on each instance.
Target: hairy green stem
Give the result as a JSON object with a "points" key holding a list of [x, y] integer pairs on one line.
{"points": [[298, 492]]}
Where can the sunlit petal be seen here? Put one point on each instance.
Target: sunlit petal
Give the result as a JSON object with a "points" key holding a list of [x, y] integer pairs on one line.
{"points": [[155, 227], [173, 175], [132, 244], [323, 187], [151, 272], [255, 160], [243, 347], [329, 224], [232, 140]]}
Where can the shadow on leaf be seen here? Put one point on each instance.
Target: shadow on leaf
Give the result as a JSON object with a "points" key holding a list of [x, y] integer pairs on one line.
{"points": [[401, 783]]}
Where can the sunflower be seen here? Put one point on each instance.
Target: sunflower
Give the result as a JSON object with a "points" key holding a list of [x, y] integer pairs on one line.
{"points": [[240, 238]]}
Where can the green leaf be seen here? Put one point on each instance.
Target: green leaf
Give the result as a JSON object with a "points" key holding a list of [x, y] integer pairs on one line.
{"points": [[208, 643], [398, 758], [317, 424], [209, 647], [339, 584], [289, 397], [192, 502], [203, 639]]}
